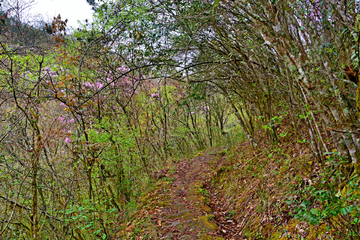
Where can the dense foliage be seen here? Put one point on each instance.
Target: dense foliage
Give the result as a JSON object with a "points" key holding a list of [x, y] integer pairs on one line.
{"points": [[87, 117]]}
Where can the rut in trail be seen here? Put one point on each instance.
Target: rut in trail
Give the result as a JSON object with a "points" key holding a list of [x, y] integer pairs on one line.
{"points": [[179, 205]]}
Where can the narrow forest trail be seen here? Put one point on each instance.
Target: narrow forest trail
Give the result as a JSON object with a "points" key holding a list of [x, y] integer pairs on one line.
{"points": [[184, 205]]}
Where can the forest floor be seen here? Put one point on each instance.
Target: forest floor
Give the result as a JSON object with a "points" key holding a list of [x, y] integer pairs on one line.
{"points": [[183, 205]]}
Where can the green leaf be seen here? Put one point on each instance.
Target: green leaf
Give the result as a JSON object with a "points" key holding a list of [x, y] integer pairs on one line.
{"points": [[216, 3], [345, 210], [283, 135]]}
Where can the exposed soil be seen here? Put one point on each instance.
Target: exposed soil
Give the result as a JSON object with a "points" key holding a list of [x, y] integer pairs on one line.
{"points": [[190, 207], [183, 204]]}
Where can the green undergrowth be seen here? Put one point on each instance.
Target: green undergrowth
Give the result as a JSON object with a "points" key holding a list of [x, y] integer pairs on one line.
{"points": [[273, 191], [137, 224], [280, 191]]}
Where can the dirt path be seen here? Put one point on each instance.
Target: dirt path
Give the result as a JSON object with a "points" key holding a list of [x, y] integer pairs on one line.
{"points": [[187, 214], [183, 205], [188, 206]]}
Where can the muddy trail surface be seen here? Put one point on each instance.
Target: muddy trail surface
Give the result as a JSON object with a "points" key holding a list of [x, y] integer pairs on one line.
{"points": [[183, 204]]}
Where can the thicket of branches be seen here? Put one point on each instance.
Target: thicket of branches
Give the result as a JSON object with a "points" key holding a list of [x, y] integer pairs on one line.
{"points": [[87, 118]]}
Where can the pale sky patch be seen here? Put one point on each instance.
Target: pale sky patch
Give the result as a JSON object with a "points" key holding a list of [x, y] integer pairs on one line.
{"points": [[72, 10]]}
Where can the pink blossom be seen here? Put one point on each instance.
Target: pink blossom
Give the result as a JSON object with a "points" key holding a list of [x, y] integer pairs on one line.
{"points": [[123, 68], [90, 85], [68, 140], [53, 74], [155, 96], [71, 120], [62, 119], [99, 85]]}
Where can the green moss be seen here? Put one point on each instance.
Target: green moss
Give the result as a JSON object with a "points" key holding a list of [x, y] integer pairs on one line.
{"points": [[284, 168], [206, 222], [182, 215], [198, 154], [206, 208], [162, 203], [195, 187], [208, 237], [145, 198]]}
